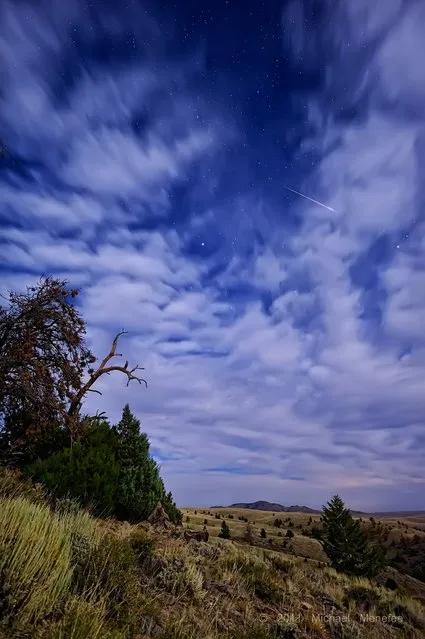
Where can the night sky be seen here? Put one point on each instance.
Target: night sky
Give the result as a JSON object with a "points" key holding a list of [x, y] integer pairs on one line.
{"points": [[152, 149]]}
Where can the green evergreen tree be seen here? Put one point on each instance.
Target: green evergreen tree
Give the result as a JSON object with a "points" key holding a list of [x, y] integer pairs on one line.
{"points": [[88, 472], [225, 530], [140, 486], [345, 543]]}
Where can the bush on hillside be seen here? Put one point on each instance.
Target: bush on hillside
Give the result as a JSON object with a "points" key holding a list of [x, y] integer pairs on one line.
{"points": [[88, 472], [225, 530], [109, 470]]}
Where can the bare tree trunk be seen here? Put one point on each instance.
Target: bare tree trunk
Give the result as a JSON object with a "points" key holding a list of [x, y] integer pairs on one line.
{"points": [[103, 369]]}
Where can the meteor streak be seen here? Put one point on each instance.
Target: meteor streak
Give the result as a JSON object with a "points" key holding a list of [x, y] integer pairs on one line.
{"points": [[311, 199]]}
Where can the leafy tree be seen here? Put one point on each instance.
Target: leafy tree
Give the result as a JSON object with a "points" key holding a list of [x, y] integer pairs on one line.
{"points": [[45, 369], [345, 543], [43, 358], [140, 486], [277, 522], [225, 530]]}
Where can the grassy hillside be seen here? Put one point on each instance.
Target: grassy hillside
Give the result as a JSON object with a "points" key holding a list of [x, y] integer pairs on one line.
{"points": [[66, 575], [403, 538], [300, 544]]}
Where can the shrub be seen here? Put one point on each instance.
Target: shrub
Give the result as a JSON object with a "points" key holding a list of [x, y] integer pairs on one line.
{"points": [[282, 565], [142, 545], [249, 534], [316, 532], [365, 598], [88, 471], [289, 533], [14, 484], [263, 582], [81, 619], [111, 576], [225, 531]]}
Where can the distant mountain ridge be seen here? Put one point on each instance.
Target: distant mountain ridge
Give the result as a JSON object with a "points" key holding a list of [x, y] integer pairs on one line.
{"points": [[269, 506], [278, 508]]}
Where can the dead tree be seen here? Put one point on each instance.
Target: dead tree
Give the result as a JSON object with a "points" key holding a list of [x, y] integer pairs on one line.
{"points": [[104, 369]]}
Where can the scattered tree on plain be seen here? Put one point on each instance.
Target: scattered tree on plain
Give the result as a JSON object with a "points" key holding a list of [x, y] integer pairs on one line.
{"points": [[225, 530], [345, 543]]}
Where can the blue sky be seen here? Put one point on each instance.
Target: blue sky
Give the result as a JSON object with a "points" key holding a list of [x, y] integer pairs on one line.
{"points": [[150, 147]]}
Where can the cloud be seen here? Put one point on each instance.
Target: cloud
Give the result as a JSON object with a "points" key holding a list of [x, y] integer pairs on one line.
{"points": [[284, 361]]}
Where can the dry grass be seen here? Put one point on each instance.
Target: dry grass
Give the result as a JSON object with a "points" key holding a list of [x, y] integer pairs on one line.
{"points": [[35, 554], [36, 569], [68, 576]]}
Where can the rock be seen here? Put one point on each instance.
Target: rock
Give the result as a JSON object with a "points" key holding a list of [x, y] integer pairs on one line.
{"points": [[159, 517], [198, 535]]}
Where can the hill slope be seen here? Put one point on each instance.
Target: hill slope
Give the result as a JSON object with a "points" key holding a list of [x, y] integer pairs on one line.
{"points": [[66, 574]]}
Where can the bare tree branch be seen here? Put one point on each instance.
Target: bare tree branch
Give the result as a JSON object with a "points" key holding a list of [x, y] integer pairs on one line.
{"points": [[104, 369]]}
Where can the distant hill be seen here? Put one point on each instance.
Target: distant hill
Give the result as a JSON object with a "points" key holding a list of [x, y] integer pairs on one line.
{"points": [[400, 513], [275, 508], [278, 508]]}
